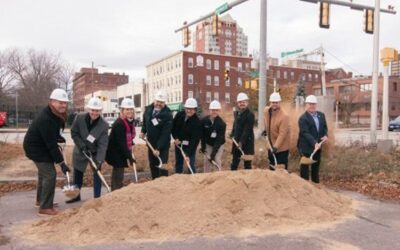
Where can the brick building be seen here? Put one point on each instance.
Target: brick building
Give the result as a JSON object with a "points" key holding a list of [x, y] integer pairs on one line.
{"points": [[89, 80], [230, 40]]}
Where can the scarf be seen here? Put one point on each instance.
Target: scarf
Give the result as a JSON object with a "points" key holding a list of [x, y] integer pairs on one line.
{"points": [[130, 133]]}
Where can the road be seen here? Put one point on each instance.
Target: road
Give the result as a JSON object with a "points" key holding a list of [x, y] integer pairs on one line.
{"points": [[342, 136], [376, 225]]}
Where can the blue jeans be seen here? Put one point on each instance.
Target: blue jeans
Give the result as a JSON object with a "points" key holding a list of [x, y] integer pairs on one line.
{"points": [[179, 160], [78, 180]]}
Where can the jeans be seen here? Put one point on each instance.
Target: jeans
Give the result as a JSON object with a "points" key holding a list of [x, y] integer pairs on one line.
{"points": [[179, 160], [236, 160], [78, 180]]}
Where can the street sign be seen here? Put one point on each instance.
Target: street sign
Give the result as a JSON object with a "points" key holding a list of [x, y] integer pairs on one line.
{"points": [[221, 9], [288, 53]]}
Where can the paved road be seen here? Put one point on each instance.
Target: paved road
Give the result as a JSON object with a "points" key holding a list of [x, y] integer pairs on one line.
{"points": [[376, 225]]}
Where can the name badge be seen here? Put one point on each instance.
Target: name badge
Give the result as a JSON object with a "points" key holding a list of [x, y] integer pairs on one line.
{"points": [[154, 121], [185, 143], [90, 138], [213, 135]]}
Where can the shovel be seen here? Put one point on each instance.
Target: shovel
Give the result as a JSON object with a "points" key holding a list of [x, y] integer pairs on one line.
{"points": [[185, 157], [276, 165], [164, 172], [211, 161], [243, 156], [309, 160], [89, 157], [134, 167], [70, 191]]}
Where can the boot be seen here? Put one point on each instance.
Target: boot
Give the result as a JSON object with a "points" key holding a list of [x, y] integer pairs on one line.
{"points": [[78, 198], [47, 212]]}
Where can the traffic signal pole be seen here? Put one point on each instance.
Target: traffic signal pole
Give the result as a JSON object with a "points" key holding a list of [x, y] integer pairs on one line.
{"points": [[262, 88]]}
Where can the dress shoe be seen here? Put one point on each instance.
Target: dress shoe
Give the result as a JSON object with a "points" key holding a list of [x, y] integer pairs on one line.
{"points": [[37, 204], [78, 198], [47, 212]]}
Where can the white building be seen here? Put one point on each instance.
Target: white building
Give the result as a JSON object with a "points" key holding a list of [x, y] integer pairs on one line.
{"points": [[302, 64], [109, 99], [135, 90]]}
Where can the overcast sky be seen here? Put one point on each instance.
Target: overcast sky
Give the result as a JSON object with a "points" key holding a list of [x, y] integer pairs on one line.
{"points": [[126, 35]]}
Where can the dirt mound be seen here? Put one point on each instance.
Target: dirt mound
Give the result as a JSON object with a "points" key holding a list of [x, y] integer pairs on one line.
{"points": [[182, 206]]}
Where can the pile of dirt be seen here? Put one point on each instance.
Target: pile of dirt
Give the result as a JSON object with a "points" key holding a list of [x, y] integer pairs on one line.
{"points": [[216, 204]]}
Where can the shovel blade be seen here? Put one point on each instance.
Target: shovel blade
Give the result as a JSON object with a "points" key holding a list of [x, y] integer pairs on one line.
{"points": [[247, 157], [306, 161]]}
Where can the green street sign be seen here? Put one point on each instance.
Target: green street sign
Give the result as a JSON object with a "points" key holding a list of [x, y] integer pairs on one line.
{"points": [[288, 53], [221, 9], [254, 74]]}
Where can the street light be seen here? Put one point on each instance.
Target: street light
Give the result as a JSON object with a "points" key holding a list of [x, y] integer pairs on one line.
{"points": [[99, 65]]}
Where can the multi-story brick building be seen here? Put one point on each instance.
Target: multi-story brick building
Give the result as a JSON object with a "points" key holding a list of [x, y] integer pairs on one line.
{"points": [[89, 80], [395, 67], [230, 40]]}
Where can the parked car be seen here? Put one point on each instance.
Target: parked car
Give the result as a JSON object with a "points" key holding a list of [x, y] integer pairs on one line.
{"points": [[3, 119], [110, 121], [395, 124]]}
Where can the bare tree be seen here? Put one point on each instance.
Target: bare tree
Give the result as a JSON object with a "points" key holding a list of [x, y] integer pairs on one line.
{"points": [[6, 79], [349, 102]]}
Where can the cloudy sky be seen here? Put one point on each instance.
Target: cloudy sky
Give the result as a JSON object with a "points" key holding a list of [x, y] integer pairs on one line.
{"points": [[126, 35]]}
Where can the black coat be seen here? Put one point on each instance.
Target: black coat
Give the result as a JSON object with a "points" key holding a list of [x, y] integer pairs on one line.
{"points": [[188, 130], [158, 135], [117, 151], [40, 142], [208, 128], [308, 133], [243, 131]]}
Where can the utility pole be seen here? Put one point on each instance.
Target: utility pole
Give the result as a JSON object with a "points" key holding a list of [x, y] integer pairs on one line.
{"points": [[262, 89], [16, 109], [375, 69], [91, 84]]}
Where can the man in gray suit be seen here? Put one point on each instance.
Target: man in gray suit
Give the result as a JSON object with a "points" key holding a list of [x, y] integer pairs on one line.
{"points": [[90, 134]]}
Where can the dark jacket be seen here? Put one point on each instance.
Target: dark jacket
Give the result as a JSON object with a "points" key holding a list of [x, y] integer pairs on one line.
{"points": [[80, 131], [207, 133], [243, 131], [308, 133], [188, 130], [117, 151], [40, 142], [158, 135]]}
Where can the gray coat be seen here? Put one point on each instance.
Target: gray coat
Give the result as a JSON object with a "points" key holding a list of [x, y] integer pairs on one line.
{"points": [[80, 135]]}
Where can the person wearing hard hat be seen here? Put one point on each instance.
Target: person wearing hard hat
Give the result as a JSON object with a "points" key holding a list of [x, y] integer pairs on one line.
{"points": [[90, 134], [312, 130], [186, 133], [120, 143], [41, 146], [213, 130], [242, 131], [157, 126], [277, 130]]}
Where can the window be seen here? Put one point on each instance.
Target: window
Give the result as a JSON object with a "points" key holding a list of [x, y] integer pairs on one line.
{"points": [[317, 91], [199, 61], [208, 80], [227, 64], [227, 98], [330, 91], [395, 86], [190, 94], [227, 82], [316, 77], [240, 83], [208, 97], [190, 79], [216, 96], [310, 77], [240, 66], [190, 62], [216, 80], [365, 87], [208, 64], [278, 74], [284, 75], [216, 64], [292, 75]]}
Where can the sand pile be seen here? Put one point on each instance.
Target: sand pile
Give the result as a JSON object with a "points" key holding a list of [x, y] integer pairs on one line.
{"points": [[183, 206]]}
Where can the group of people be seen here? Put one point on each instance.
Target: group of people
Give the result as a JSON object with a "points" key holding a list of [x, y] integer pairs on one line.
{"points": [[89, 132]]}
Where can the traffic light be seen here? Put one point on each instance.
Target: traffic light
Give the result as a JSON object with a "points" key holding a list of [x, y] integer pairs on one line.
{"points": [[226, 75], [324, 9], [214, 24], [369, 21], [186, 36]]}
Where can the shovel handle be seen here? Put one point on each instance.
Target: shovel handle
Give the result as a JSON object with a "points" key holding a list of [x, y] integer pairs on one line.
{"points": [[211, 161], [152, 150], [315, 150], [237, 145], [184, 157], [97, 171]]}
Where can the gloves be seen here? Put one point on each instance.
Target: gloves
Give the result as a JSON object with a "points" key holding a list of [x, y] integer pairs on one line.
{"points": [[61, 140], [99, 165], [64, 168], [264, 133], [202, 150], [274, 150]]}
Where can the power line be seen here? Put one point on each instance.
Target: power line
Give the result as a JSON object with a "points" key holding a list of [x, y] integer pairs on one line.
{"points": [[345, 64]]}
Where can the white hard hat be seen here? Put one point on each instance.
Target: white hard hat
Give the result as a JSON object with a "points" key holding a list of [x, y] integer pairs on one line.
{"points": [[127, 103], [160, 96], [311, 99], [191, 103], [242, 97], [95, 103], [275, 97], [59, 95], [215, 105]]}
